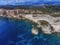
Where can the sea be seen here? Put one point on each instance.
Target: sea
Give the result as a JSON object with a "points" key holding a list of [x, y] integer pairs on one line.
{"points": [[18, 32]]}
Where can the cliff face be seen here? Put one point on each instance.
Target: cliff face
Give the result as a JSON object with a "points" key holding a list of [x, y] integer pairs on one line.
{"points": [[50, 23], [9, 12]]}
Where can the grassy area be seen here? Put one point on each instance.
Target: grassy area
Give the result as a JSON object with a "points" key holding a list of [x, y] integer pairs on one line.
{"points": [[43, 22], [44, 10], [55, 15]]}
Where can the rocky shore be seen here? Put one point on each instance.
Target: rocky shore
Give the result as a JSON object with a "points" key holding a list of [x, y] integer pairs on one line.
{"points": [[50, 24]]}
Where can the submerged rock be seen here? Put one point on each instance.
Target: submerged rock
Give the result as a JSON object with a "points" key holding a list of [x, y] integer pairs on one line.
{"points": [[35, 31]]}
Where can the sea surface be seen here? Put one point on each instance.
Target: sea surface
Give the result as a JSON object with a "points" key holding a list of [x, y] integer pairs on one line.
{"points": [[18, 32]]}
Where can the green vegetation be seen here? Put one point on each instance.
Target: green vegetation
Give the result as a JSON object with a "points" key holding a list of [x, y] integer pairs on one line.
{"points": [[55, 15], [46, 9], [43, 22]]}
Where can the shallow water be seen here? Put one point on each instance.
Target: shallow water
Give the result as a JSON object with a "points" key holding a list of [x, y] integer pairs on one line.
{"points": [[18, 32]]}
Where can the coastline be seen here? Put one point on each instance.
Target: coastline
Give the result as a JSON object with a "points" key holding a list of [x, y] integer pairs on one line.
{"points": [[38, 17]]}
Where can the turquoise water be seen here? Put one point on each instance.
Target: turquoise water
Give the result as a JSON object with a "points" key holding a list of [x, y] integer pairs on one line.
{"points": [[18, 32]]}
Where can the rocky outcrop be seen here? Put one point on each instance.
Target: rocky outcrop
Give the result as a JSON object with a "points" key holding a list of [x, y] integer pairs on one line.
{"points": [[46, 27], [48, 23]]}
